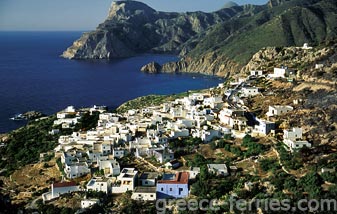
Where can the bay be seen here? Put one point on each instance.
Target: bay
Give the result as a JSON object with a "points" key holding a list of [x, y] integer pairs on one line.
{"points": [[34, 77]]}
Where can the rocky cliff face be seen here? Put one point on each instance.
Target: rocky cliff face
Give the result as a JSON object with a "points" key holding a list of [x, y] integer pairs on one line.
{"points": [[210, 64], [133, 27], [210, 43], [152, 68]]}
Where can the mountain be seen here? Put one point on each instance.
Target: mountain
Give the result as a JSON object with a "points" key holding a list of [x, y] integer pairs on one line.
{"points": [[133, 27], [229, 45], [215, 43]]}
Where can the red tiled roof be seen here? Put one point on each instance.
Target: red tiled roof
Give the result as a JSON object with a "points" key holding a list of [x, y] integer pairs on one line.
{"points": [[180, 178], [64, 184]]}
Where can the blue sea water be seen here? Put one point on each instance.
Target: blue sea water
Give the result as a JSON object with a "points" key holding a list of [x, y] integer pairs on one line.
{"points": [[34, 77]]}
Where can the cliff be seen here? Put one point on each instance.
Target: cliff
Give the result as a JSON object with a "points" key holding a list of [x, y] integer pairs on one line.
{"points": [[133, 28], [218, 43]]}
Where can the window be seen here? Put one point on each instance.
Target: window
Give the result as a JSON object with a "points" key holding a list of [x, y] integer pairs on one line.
{"points": [[162, 189], [151, 196], [171, 189], [146, 182]]}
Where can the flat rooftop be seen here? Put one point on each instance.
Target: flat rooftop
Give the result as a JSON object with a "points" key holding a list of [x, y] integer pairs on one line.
{"points": [[149, 175], [178, 178], [145, 189]]}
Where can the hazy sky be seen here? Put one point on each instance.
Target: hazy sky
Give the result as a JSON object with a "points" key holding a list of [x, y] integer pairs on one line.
{"points": [[84, 14]]}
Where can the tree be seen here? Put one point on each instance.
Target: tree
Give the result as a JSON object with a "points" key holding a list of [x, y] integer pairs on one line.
{"points": [[247, 139], [311, 183], [199, 160]]}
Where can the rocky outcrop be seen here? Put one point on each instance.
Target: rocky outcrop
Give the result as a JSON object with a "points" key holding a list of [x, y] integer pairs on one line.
{"points": [[32, 115], [210, 64], [152, 68]]}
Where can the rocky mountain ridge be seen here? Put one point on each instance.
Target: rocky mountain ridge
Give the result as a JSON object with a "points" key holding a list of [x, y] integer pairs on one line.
{"points": [[232, 44], [133, 28], [219, 43]]}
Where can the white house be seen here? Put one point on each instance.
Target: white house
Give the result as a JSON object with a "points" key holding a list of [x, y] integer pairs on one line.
{"points": [[227, 116], [148, 179], [99, 185], [249, 91], [58, 189], [179, 133], [100, 109], [173, 164], [256, 73], [142, 193], [173, 186], [87, 203], [209, 134], [194, 171], [76, 170], [70, 110], [213, 102], [277, 110], [178, 112], [110, 167], [125, 181], [218, 169], [163, 155], [105, 147], [264, 127], [54, 132], [280, 72], [146, 191], [293, 134], [118, 153], [196, 97], [292, 138], [296, 144], [187, 123], [162, 139]]}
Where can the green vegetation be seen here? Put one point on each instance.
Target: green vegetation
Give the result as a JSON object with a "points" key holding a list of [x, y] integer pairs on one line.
{"points": [[25, 144], [290, 161], [253, 147], [209, 186], [329, 177], [151, 100], [286, 25], [269, 165], [88, 121]]}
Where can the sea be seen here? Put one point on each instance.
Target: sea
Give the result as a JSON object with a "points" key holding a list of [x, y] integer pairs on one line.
{"points": [[33, 76]]}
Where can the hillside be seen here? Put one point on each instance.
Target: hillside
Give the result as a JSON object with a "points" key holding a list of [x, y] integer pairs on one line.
{"points": [[230, 45]]}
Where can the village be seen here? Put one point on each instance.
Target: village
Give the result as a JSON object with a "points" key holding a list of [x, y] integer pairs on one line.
{"points": [[215, 113]]}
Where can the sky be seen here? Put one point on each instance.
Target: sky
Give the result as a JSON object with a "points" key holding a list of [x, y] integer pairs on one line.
{"points": [[77, 15]]}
